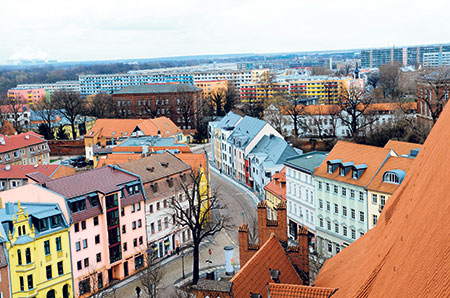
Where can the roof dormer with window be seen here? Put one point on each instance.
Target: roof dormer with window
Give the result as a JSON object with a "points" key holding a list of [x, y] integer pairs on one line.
{"points": [[344, 168], [332, 165], [395, 176], [358, 170]]}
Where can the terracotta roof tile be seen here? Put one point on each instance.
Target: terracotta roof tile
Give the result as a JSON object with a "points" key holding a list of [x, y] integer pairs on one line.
{"points": [[21, 140], [299, 291], [255, 275], [407, 254], [277, 186], [393, 163], [20, 171], [195, 160], [372, 156], [117, 158], [402, 148], [7, 129]]}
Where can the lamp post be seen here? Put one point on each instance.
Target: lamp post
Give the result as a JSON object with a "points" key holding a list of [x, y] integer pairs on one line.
{"points": [[182, 263]]}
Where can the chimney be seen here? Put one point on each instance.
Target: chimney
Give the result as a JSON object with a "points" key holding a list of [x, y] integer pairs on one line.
{"points": [[281, 231], [243, 244], [2, 141], [9, 208], [8, 167], [299, 256], [263, 234], [275, 275], [27, 137]]}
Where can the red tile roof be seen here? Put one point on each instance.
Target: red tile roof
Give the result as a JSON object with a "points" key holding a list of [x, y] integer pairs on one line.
{"points": [[255, 274], [407, 254], [20, 141], [299, 291], [372, 156], [402, 148], [393, 163], [277, 186], [104, 180], [195, 160], [19, 171], [117, 158]]}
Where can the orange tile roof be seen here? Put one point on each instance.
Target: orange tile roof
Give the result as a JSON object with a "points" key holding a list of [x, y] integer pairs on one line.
{"points": [[277, 186], [401, 148], [15, 142], [195, 160], [124, 127], [372, 156], [7, 129], [393, 163], [299, 291], [117, 158], [254, 275], [407, 254], [183, 149], [127, 149]]}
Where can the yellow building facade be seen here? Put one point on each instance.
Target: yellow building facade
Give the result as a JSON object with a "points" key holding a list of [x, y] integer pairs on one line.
{"points": [[38, 249]]}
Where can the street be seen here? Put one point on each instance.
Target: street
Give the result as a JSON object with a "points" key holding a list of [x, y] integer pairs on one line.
{"points": [[238, 205]]}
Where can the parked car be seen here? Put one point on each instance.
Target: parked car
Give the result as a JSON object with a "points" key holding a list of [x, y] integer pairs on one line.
{"points": [[74, 160], [81, 164]]}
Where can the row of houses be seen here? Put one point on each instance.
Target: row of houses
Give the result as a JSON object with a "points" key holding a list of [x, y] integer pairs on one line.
{"points": [[248, 149], [96, 226], [339, 195]]}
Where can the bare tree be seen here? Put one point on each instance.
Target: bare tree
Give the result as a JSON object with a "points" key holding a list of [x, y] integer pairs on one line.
{"points": [[434, 88], [231, 97], [181, 294], [101, 106], [217, 101], [274, 113], [45, 109], [200, 214], [355, 114], [388, 81], [152, 276], [13, 111], [96, 282], [316, 261], [187, 106], [71, 105]]}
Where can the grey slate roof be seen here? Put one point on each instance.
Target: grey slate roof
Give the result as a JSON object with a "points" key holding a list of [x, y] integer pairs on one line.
{"points": [[229, 120], [245, 131], [158, 88], [274, 149], [307, 162]]}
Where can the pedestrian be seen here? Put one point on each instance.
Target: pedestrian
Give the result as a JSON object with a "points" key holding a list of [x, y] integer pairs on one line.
{"points": [[138, 291]]}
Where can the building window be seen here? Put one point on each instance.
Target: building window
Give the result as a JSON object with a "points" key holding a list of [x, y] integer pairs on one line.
{"points": [[141, 240], [30, 281], [138, 206], [47, 247], [77, 246], [329, 225], [166, 222], [79, 267], [344, 191], [336, 208], [353, 234], [382, 201], [19, 257], [139, 223], [48, 269], [327, 186], [83, 225], [152, 228], [132, 209], [133, 225], [77, 227], [22, 287], [86, 262], [352, 193], [344, 230], [391, 178], [99, 257], [124, 230], [135, 242], [151, 208], [58, 243], [319, 185], [28, 255], [96, 221], [374, 199], [125, 246], [361, 196], [84, 286], [159, 225], [328, 206], [97, 239], [336, 228], [335, 189], [321, 222], [353, 213], [85, 244], [320, 204], [361, 216], [122, 211], [330, 247], [60, 268], [374, 219], [344, 211]]}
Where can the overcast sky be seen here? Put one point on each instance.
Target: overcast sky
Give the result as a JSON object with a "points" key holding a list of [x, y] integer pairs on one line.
{"points": [[118, 29]]}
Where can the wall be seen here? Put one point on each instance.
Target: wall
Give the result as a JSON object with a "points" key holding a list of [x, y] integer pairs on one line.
{"points": [[66, 147]]}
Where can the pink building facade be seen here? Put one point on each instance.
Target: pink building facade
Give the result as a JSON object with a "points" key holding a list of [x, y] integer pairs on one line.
{"points": [[29, 96], [107, 233]]}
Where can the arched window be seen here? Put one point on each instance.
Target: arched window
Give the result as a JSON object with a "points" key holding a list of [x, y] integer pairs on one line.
{"points": [[390, 177], [51, 294], [28, 255]]}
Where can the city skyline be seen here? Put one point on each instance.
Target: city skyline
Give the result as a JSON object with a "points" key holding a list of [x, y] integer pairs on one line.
{"points": [[115, 30]]}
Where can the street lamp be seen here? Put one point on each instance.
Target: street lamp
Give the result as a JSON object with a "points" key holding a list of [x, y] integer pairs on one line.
{"points": [[182, 263]]}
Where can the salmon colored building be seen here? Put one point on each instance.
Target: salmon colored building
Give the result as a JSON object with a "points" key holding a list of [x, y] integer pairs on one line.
{"points": [[107, 217], [29, 96]]}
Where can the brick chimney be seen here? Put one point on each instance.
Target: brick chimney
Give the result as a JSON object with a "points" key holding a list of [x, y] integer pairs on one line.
{"points": [[246, 251], [262, 222], [299, 255]]}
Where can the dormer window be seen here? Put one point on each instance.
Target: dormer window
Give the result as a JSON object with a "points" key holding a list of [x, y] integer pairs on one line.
{"points": [[358, 170], [332, 165], [355, 174], [344, 168], [394, 176]]}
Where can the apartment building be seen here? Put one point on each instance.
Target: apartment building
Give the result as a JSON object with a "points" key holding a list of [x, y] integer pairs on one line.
{"points": [[111, 83], [265, 159], [36, 241], [434, 60], [413, 55], [26, 148], [245, 135], [179, 102], [300, 192], [29, 96], [341, 196], [219, 131], [73, 86], [163, 176], [107, 233], [212, 87]]}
